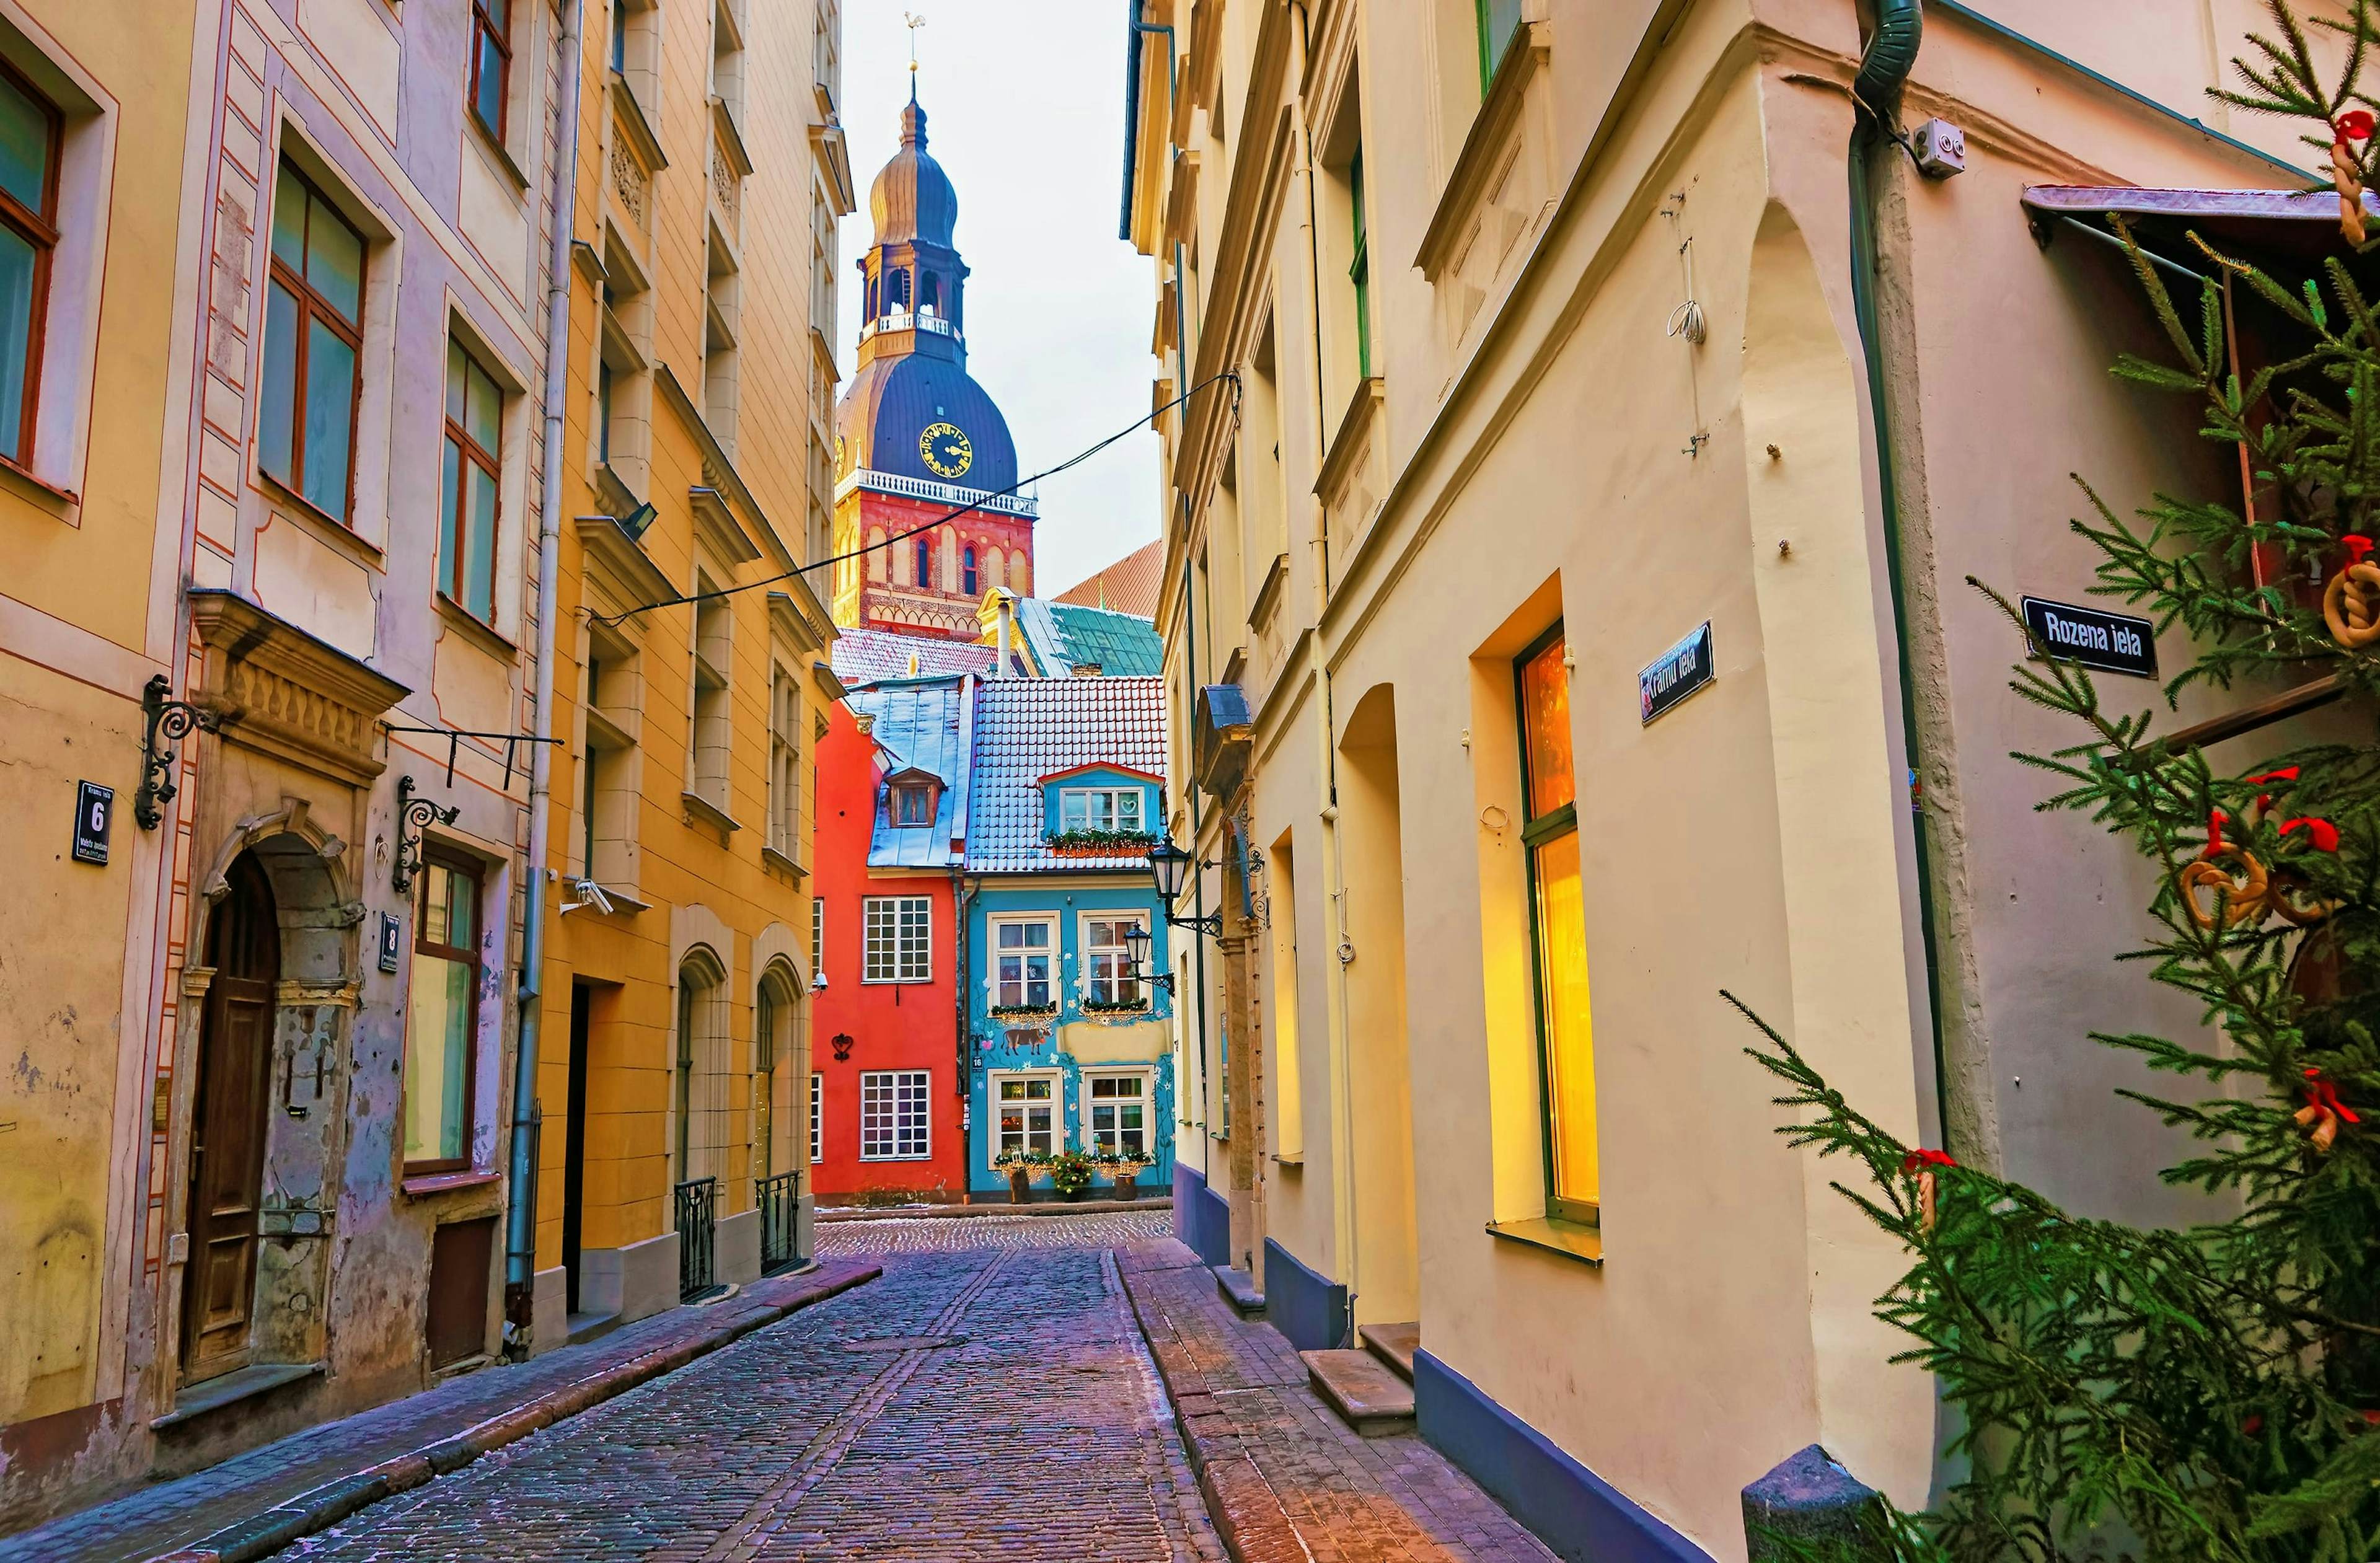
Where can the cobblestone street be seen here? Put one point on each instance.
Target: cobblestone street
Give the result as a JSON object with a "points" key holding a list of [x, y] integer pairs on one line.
{"points": [[990, 1396]]}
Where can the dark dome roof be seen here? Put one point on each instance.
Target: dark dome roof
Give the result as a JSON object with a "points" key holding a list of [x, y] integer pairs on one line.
{"points": [[892, 400], [912, 197]]}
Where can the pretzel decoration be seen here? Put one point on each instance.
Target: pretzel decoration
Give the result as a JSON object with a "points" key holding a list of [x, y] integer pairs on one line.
{"points": [[2323, 1112], [1921, 1165], [2347, 169], [2288, 893], [2243, 891], [2350, 603]]}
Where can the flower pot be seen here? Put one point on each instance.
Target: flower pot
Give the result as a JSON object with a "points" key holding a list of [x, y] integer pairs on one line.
{"points": [[1127, 1185], [1020, 1184], [1075, 1194]]}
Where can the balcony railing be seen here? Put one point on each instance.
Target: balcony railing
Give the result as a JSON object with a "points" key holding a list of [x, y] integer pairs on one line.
{"points": [[697, 1231], [904, 319], [779, 1201], [939, 494]]}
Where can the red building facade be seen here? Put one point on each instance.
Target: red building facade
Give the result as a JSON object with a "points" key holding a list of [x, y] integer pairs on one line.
{"points": [[888, 1098]]}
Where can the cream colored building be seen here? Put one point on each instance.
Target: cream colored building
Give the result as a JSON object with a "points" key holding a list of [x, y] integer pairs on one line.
{"points": [[692, 681], [1552, 342]]}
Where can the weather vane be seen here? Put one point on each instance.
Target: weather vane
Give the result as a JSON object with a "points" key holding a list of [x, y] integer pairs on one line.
{"points": [[912, 20]]}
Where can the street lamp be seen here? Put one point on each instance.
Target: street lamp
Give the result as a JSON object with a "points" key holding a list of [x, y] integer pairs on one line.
{"points": [[1137, 942], [1169, 869]]}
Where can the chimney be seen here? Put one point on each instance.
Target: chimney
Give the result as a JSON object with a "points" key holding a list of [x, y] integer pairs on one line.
{"points": [[1000, 669]]}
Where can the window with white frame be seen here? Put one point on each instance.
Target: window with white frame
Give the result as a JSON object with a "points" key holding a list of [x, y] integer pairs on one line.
{"points": [[900, 934], [1110, 979], [817, 936], [1022, 958], [818, 1118], [1027, 1110], [1099, 808], [895, 1124], [1116, 1109]]}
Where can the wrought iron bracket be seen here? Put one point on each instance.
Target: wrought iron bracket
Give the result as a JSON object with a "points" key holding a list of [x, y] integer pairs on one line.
{"points": [[413, 815], [1211, 925], [164, 721]]}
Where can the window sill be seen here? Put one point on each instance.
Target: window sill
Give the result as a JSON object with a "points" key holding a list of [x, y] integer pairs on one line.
{"points": [[234, 1389], [496, 150], [305, 511], [895, 982], [770, 857], [1298, 1160], [64, 504], [711, 814], [477, 630], [418, 1185], [1568, 1239]]}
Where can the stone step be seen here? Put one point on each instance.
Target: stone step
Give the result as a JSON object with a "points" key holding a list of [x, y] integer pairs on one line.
{"points": [[1359, 1387], [1239, 1289], [1393, 1344]]}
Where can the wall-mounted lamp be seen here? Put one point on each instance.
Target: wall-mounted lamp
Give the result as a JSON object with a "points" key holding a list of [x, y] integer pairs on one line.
{"points": [[1169, 869]]}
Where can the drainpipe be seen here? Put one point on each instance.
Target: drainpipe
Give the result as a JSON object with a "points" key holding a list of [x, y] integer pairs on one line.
{"points": [[1885, 65], [961, 893], [520, 1184]]}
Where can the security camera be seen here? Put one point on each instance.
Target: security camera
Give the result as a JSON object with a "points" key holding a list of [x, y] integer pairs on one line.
{"points": [[589, 893]]}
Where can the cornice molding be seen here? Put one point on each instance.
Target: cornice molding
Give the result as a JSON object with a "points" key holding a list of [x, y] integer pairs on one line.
{"points": [[284, 693]]}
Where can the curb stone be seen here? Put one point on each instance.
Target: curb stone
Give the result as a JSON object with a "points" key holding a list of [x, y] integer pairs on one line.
{"points": [[267, 1532], [1246, 1511]]}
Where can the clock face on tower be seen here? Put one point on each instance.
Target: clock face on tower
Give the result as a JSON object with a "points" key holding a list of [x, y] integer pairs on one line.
{"points": [[946, 450]]}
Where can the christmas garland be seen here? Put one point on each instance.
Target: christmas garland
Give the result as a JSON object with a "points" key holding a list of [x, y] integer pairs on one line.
{"points": [[1119, 844]]}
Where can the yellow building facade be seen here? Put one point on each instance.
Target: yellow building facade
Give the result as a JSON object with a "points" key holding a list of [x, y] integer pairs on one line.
{"points": [[101, 286], [1545, 366], [691, 682]]}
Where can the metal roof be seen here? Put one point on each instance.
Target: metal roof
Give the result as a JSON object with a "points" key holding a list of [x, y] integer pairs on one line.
{"points": [[920, 724], [1128, 586], [1063, 636], [1026, 728], [912, 198]]}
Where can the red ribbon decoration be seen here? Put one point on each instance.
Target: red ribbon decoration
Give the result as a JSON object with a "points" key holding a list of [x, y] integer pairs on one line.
{"points": [[1922, 1163], [2215, 820], [1917, 1160], [2357, 546], [2320, 833], [2355, 124], [2323, 1112]]}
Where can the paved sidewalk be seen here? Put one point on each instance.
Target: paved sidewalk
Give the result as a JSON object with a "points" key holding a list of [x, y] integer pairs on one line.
{"points": [[1048, 1207], [248, 1505], [1286, 1481]]}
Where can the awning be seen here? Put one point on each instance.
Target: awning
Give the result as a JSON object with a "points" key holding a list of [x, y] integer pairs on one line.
{"points": [[2301, 224]]}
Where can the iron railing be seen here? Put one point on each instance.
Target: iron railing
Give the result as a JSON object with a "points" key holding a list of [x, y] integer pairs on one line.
{"points": [[698, 1228], [780, 1202]]}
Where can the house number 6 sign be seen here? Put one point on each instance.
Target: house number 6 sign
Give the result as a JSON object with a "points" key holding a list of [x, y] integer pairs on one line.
{"points": [[94, 812]]}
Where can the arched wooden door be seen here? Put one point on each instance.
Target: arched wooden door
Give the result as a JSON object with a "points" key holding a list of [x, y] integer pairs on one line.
{"points": [[228, 1123]]}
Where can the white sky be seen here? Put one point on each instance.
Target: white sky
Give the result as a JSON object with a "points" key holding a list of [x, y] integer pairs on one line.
{"points": [[1024, 107]]}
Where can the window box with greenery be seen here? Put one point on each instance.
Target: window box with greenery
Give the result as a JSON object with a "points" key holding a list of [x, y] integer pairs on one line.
{"points": [[1024, 1013], [1099, 843]]}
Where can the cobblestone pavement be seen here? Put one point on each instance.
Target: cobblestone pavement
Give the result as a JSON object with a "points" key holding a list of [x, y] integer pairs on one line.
{"points": [[851, 1239], [975, 1402]]}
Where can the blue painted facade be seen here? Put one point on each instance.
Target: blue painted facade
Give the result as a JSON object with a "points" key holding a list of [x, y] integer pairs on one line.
{"points": [[1066, 1053], [1303, 1304]]}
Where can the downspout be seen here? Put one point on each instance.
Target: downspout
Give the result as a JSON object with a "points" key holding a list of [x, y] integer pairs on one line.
{"points": [[964, 1075], [1885, 65], [520, 1183]]}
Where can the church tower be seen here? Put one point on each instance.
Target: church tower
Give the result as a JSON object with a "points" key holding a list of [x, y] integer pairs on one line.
{"points": [[916, 437]]}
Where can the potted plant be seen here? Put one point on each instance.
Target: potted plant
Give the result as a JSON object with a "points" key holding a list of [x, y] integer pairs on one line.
{"points": [[1070, 1174], [1124, 1168]]}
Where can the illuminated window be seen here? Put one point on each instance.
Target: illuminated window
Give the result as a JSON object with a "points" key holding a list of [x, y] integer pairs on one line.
{"points": [[1029, 1108], [1558, 926], [1118, 1110], [443, 1019], [1020, 962]]}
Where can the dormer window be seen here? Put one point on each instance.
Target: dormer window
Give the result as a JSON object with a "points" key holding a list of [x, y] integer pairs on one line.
{"points": [[1113, 809], [911, 798]]}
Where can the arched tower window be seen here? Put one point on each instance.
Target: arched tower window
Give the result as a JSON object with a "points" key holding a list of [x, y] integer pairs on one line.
{"points": [[991, 569], [924, 572], [896, 292], [966, 573]]}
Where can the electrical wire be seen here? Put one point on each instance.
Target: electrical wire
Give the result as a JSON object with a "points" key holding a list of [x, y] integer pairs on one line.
{"points": [[613, 621]]}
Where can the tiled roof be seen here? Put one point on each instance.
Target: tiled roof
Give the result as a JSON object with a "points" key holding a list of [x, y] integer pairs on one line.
{"points": [[1128, 586], [1029, 728], [866, 656], [920, 724]]}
